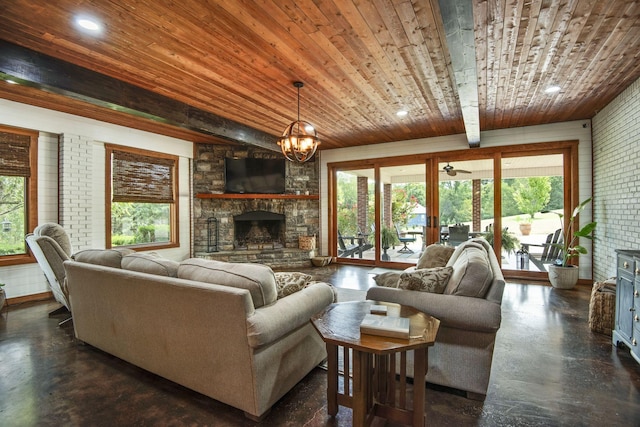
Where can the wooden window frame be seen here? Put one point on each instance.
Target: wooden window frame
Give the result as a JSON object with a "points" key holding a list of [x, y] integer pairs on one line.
{"points": [[174, 221], [31, 197]]}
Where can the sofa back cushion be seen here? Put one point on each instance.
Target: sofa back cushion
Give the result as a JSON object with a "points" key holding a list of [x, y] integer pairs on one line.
{"points": [[472, 274], [106, 257], [258, 279], [150, 263]]}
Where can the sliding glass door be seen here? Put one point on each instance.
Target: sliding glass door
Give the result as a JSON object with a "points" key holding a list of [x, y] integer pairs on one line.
{"points": [[533, 190], [355, 214], [403, 212], [385, 212]]}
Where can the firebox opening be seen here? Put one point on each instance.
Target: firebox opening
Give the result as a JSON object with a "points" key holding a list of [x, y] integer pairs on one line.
{"points": [[259, 230]]}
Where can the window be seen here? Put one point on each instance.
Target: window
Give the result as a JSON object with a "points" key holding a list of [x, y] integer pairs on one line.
{"points": [[18, 192], [142, 203]]}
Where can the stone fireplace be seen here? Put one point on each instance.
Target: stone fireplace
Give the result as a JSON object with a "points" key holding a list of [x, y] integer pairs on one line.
{"points": [[259, 230]]}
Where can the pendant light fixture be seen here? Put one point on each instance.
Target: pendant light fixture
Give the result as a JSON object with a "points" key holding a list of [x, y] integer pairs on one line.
{"points": [[299, 140]]}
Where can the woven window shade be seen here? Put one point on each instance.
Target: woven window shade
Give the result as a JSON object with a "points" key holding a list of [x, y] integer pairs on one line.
{"points": [[14, 154], [142, 179]]}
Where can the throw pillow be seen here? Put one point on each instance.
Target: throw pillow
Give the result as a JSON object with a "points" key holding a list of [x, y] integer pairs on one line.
{"points": [[151, 263], [472, 274], [288, 283], [388, 279], [435, 255], [432, 280]]}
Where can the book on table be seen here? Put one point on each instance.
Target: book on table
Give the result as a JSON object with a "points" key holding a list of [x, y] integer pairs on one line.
{"points": [[386, 326], [378, 309]]}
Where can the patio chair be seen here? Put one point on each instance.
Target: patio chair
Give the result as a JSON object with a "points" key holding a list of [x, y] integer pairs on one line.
{"points": [[549, 252], [347, 250], [458, 234], [404, 239]]}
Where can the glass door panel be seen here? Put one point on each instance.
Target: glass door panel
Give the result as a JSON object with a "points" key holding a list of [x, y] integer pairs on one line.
{"points": [[532, 194], [403, 212], [465, 199], [355, 214]]}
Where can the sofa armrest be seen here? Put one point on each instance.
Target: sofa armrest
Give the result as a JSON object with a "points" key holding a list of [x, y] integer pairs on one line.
{"points": [[469, 313], [271, 322]]}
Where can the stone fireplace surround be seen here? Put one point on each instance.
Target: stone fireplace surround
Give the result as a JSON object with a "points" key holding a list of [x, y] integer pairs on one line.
{"points": [[295, 212]]}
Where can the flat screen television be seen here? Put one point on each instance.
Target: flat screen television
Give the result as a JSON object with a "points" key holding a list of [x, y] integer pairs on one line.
{"points": [[260, 176]]}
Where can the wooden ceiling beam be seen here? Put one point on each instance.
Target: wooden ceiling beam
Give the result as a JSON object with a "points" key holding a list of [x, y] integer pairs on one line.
{"points": [[33, 69], [457, 17]]}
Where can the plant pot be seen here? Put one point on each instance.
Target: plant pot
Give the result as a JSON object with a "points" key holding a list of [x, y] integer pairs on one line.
{"points": [[385, 255], [563, 277], [525, 229], [3, 297]]}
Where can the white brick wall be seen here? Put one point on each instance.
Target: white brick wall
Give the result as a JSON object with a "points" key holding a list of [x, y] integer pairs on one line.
{"points": [[75, 189], [616, 144]]}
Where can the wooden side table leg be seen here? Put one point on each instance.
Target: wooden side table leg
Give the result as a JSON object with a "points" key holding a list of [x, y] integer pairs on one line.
{"points": [[361, 387], [332, 379], [419, 385]]}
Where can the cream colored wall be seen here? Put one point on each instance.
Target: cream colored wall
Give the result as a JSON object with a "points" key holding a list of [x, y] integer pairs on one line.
{"points": [[28, 279], [580, 130]]}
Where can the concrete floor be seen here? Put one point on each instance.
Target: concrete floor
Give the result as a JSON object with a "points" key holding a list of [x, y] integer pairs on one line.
{"points": [[549, 369]]}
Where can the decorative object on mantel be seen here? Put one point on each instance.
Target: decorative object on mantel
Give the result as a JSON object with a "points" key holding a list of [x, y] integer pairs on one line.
{"points": [[300, 139], [563, 275]]}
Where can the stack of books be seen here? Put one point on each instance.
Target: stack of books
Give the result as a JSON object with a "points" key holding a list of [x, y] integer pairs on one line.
{"points": [[386, 326]]}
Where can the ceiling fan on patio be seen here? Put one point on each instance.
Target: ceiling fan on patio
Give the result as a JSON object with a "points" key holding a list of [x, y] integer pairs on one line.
{"points": [[451, 171]]}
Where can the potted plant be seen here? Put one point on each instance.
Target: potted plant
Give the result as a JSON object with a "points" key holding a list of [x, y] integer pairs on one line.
{"points": [[388, 238], [524, 225], [562, 274], [510, 242]]}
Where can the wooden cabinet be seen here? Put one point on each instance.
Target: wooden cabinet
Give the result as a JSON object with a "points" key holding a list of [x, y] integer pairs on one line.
{"points": [[627, 321]]}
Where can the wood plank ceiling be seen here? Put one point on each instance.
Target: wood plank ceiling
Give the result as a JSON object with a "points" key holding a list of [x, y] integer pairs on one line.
{"points": [[361, 61]]}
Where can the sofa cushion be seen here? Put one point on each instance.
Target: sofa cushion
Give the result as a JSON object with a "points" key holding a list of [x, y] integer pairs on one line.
{"points": [[472, 274], [258, 279], [432, 280], [151, 263], [290, 282], [435, 255], [106, 257], [388, 279]]}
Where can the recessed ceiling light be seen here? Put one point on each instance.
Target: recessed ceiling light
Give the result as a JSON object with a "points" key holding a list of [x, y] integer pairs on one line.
{"points": [[402, 113], [88, 24], [11, 82], [552, 89]]}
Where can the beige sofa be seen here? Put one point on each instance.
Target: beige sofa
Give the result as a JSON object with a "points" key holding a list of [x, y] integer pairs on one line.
{"points": [[231, 339], [469, 310]]}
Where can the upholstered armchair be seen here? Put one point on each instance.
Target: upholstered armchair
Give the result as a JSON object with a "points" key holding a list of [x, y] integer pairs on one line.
{"points": [[51, 246]]}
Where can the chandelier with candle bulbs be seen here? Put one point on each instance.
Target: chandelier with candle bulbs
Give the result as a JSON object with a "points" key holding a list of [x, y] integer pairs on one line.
{"points": [[299, 141]]}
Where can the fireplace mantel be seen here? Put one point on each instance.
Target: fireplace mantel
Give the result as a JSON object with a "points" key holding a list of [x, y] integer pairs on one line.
{"points": [[256, 196]]}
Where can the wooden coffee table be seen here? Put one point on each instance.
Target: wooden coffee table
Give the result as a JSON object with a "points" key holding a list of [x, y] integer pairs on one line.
{"points": [[376, 392]]}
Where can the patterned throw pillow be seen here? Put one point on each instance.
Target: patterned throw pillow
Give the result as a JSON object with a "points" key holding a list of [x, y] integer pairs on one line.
{"points": [[435, 255], [288, 283], [388, 279], [432, 280]]}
